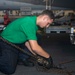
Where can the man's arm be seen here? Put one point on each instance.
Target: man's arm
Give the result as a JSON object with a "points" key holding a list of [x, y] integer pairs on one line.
{"points": [[35, 47], [28, 46]]}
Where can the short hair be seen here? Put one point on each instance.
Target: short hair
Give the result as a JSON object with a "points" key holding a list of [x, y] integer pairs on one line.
{"points": [[49, 13]]}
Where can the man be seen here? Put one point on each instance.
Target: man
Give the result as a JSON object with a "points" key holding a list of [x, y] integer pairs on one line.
{"points": [[23, 31]]}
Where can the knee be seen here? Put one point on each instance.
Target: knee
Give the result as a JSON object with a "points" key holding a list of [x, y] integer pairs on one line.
{"points": [[8, 70]]}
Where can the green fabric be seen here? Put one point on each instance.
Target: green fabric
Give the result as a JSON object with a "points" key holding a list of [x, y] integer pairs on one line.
{"points": [[21, 30]]}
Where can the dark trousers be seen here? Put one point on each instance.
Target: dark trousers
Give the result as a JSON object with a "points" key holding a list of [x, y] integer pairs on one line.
{"points": [[9, 57], [23, 56]]}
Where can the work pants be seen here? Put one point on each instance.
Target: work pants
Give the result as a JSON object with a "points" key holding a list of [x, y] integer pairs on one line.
{"points": [[9, 56]]}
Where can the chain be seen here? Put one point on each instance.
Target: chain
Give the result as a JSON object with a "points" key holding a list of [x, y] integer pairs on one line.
{"points": [[55, 69], [17, 47]]}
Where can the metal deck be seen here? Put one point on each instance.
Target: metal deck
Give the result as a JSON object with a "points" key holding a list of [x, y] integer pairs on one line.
{"points": [[59, 46]]}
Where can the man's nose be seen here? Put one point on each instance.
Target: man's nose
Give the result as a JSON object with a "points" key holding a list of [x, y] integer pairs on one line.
{"points": [[47, 26]]}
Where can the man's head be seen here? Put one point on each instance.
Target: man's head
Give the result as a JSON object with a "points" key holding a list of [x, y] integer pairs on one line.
{"points": [[45, 18]]}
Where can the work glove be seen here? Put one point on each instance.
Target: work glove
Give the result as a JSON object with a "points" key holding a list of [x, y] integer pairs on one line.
{"points": [[45, 62], [49, 63]]}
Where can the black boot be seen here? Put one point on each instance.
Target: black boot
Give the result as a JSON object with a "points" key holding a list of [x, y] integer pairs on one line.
{"points": [[26, 62]]}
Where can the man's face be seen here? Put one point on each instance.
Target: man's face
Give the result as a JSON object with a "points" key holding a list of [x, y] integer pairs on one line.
{"points": [[45, 21]]}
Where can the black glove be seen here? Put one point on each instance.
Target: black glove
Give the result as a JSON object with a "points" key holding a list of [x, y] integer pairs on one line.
{"points": [[45, 62], [49, 63]]}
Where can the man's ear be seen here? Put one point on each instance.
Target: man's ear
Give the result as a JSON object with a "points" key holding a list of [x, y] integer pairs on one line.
{"points": [[45, 18]]}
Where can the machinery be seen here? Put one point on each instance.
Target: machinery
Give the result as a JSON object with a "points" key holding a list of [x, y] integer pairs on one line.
{"points": [[72, 35], [2, 27], [62, 29]]}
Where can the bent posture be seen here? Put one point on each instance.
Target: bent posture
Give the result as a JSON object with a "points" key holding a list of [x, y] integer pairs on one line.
{"points": [[22, 32]]}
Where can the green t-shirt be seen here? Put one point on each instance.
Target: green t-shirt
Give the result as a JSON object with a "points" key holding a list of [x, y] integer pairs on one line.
{"points": [[21, 30]]}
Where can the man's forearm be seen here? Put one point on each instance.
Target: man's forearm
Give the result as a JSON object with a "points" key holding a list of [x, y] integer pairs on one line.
{"points": [[28, 46], [39, 50]]}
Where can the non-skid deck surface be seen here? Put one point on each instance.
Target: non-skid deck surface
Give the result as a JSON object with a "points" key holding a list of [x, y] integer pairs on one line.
{"points": [[59, 46]]}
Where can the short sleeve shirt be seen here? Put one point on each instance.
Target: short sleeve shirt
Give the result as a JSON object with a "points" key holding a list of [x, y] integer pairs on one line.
{"points": [[21, 30]]}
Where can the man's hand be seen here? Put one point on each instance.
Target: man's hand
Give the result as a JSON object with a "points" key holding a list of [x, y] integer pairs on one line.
{"points": [[45, 62], [50, 63]]}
